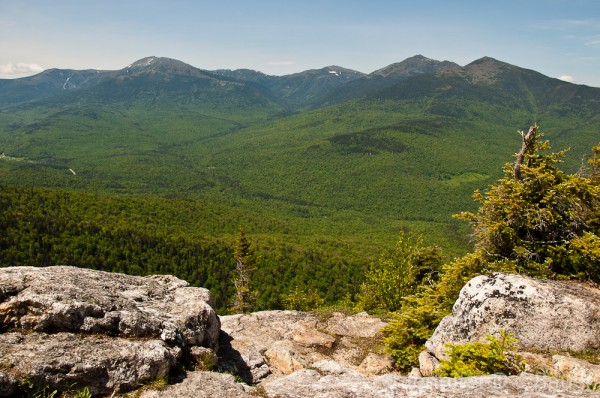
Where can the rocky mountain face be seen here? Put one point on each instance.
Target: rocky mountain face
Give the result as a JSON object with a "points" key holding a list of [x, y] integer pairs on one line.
{"points": [[113, 333]]}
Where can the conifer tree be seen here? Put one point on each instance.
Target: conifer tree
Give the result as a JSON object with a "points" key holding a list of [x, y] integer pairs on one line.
{"points": [[244, 297], [539, 218]]}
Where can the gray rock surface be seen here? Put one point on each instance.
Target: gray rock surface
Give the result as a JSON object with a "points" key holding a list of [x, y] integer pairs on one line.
{"points": [[107, 331], [328, 381], [103, 364], [70, 299], [274, 343], [65, 327], [543, 314], [204, 385], [576, 370]]}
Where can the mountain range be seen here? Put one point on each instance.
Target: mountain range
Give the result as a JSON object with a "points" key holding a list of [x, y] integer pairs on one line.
{"points": [[401, 147]]}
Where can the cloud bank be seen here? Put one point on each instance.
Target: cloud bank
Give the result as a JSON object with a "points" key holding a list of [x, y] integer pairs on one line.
{"points": [[567, 78], [19, 69]]}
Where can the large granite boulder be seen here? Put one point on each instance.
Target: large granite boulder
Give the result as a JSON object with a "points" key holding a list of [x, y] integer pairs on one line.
{"points": [[544, 315], [107, 331], [74, 361]]}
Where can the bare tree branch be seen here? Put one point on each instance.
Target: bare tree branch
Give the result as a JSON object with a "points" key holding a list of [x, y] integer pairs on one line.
{"points": [[525, 146]]}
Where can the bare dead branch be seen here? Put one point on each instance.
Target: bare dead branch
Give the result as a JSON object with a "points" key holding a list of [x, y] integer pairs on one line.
{"points": [[527, 140]]}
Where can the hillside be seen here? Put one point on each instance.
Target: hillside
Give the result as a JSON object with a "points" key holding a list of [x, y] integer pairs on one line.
{"points": [[299, 90], [402, 148]]}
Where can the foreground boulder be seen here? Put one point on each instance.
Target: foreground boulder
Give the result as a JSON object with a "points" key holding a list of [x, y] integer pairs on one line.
{"points": [[544, 315], [105, 331], [75, 361]]}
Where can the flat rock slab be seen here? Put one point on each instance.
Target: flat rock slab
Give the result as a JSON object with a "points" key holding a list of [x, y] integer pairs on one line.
{"points": [[63, 360], [70, 299], [204, 385], [329, 381]]}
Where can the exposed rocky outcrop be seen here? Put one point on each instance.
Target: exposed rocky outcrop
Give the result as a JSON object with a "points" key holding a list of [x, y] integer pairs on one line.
{"points": [[72, 328], [107, 331], [327, 379], [545, 316], [281, 342], [103, 364]]}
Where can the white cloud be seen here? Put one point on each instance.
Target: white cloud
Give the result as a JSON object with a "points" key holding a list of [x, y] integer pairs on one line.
{"points": [[593, 43], [19, 69], [281, 63], [567, 78]]}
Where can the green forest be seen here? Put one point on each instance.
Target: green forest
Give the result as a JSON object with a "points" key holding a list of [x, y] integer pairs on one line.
{"points": [[187, 238]]}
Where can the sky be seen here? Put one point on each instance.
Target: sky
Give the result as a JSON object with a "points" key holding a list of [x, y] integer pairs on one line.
{"points": [[559, 38]]}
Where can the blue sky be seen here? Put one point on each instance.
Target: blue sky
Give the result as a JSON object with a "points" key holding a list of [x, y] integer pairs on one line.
{"points": [[559, 38]]}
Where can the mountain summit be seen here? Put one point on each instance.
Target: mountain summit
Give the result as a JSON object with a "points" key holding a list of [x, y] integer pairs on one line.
{"points": [[414, 66], [162, 65]]}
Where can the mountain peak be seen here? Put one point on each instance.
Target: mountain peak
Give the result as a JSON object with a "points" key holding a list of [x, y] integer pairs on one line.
{"points": [[489, 61], [414, 65], [144, 62], [160, 63], [486, 69]]}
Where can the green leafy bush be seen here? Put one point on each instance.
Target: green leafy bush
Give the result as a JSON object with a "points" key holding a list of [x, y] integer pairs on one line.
{"points": [[496, 355], [301, 300], [542, 219], [391, 279], [422, 311]]}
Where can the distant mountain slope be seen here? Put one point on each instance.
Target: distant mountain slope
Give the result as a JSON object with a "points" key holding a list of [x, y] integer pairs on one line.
{"points": [[488, 89], [49, 83], [384, 77], [150, 80], [298, 89]]}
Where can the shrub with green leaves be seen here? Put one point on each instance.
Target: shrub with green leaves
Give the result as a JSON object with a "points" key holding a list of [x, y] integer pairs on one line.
{"points": [[495, 355], [391, 279], [545, 221], [422, 312], [301, 300]]}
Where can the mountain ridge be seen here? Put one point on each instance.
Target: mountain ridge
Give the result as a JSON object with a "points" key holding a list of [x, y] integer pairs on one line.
{"points": [[308, 89]]}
